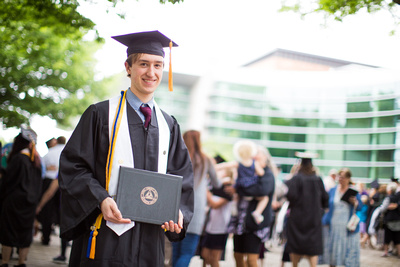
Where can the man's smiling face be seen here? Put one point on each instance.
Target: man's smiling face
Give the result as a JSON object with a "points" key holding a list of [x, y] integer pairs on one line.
{"points": [[146, 74]]}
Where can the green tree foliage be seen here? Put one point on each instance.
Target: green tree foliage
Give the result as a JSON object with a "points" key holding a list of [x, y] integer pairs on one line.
{"points": [[339, 9], [46, 63], [46, 66]]}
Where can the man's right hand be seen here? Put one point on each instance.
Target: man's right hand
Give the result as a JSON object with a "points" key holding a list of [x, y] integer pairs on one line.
{"points": [[111, 212]]}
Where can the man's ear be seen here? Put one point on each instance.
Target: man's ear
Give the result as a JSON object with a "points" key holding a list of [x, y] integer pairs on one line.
{"points": [[128, 68]]}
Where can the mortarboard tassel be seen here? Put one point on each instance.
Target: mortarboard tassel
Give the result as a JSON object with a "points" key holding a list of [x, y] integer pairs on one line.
{"points": [[33, 151], [92, 239], [89, 246], [170, 82]]}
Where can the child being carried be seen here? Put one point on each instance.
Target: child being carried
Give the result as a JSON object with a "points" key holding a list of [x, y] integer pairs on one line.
{"points": [[248, 173]]}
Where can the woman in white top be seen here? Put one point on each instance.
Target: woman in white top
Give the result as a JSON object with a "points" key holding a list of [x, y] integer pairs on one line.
{"points": [[216, 233]]}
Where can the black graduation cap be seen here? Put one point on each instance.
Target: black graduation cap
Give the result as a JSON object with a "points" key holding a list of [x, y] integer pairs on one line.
{"points": [[48, 142], [151, 42], [374, 184], [28, 133], [306, 157], [219, 159]]}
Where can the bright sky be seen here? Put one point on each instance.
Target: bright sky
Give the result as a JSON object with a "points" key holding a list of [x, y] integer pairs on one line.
{"points": [[229, 33]]}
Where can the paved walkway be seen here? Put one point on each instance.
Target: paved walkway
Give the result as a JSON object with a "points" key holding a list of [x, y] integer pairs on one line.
{"points": [[41, 256], [369, 258]]}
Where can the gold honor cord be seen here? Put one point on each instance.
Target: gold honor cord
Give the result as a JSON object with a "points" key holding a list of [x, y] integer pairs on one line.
{"points": [[26, 154], [116, 123]]}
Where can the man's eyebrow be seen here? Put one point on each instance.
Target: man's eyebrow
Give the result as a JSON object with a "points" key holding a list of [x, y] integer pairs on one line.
{"points": [[146, 61]]}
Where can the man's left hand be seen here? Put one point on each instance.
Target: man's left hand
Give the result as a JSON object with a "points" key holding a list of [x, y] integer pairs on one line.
{"points": [[174, 227]]}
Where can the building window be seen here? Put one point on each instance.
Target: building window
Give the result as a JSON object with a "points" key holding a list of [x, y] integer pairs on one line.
{"points": [[383, 172], [358, 139], [358, 123], [240, 88], [332, 139], [388, 121], [385, 155], [333, 123], [360, 171], [386, 138], [332, 155], [387, 104], [359, 107], [357, 155]]}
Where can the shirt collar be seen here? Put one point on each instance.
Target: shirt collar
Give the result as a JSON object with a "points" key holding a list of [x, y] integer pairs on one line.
{"points": [[135, 102]]}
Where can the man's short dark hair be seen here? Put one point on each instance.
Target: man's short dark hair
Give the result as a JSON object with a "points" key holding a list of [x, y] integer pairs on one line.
{"points": [[61, 140]]}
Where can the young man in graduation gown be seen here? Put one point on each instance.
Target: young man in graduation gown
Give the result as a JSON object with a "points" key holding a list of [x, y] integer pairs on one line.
{"points": [[113, 133]]}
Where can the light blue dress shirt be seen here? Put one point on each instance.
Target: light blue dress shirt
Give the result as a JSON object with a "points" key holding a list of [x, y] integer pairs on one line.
{"points": [[135, 103]]}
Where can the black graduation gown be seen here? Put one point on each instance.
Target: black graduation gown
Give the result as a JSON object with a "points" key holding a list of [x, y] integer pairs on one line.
{"points": [[82, 183], [308, 199], [20, 194]]}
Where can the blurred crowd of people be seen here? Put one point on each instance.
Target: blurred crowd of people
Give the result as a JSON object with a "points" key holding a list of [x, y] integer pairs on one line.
{"points": [[325, 220], [312, 216], [369, 217], [29, 196], [231, 198]]}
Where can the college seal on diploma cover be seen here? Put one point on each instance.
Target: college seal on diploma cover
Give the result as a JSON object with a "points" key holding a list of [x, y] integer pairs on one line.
{"points": [[149, 195]]}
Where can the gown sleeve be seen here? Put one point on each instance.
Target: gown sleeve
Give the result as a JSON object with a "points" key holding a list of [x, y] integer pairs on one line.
{"points": [[212, 174], [81, 178], [179, 164], [294, 189]]}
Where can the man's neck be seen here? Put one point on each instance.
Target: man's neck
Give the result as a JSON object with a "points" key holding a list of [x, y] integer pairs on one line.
{"points": [[145, 98], [135, 102]]}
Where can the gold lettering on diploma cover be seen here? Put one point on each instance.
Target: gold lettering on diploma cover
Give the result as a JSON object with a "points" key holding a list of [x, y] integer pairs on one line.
{"points": [[149, 195]]}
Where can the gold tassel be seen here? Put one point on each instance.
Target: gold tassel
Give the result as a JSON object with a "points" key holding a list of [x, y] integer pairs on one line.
{"points": [[92, 244], [33, 151], [170, 82]]}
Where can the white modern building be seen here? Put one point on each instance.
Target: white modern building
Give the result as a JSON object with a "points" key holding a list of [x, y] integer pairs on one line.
{"points": [[288, 101]]}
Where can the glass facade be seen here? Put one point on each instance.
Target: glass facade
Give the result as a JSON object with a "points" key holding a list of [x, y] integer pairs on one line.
{"points": [[352, 122], [175, 103], [350, 117]]}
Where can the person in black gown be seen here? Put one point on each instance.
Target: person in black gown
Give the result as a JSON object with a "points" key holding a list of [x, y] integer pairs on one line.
{"points": [[308, 199], [19, 195], [83, 179]]}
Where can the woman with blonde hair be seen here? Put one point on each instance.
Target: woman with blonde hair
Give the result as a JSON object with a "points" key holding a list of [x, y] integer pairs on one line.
{"points": [[203, 173]]}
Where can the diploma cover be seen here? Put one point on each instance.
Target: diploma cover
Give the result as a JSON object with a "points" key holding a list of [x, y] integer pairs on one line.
{"points": [[349, 193], [147, 196]]}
